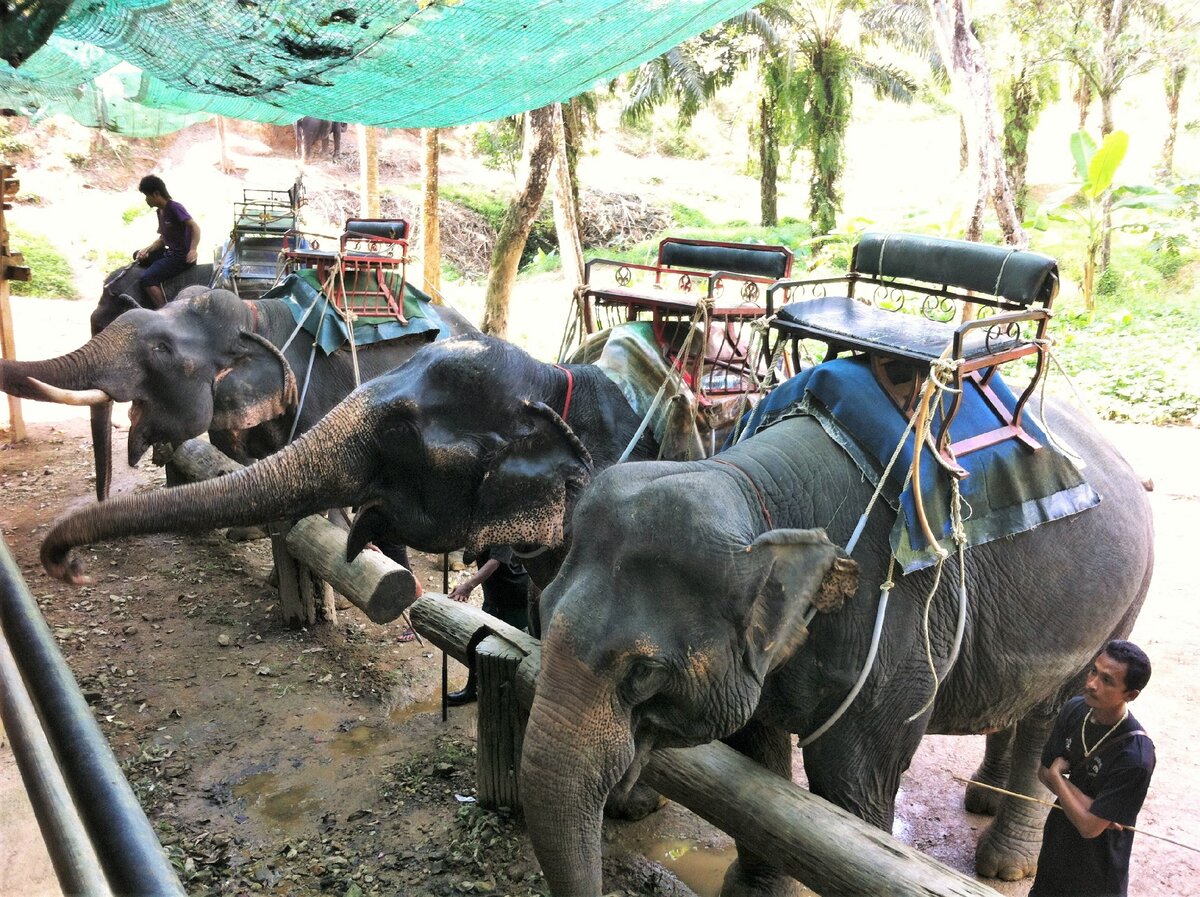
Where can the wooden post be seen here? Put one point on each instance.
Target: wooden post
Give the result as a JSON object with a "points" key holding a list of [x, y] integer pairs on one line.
{"points": [[566, 215], [501, 723], [12, 267], [431, 227], [368, 172]]}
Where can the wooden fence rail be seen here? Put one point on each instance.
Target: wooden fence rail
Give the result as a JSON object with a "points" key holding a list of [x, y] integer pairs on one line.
{"points": [[830, 850]]}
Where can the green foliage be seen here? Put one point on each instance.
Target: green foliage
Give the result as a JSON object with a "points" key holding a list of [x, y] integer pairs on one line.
{"points": [[494, 207], [15, 145], [498, 143], [685, 216], [131, 215], [1083, 204], [1131, 356], [52, 275]]}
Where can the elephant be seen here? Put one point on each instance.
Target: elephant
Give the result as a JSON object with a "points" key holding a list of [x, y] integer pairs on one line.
{"points": [[471, 442], [681, 619], [121, 293], [211, 362], [313, 131]]}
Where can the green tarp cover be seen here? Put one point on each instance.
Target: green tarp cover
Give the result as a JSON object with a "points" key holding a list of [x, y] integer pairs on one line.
{"points": [[431, 63]]}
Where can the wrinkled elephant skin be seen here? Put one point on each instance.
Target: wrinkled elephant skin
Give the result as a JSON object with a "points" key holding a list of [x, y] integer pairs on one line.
{"points": [[462, 445], [680, 620], [211, 362]]}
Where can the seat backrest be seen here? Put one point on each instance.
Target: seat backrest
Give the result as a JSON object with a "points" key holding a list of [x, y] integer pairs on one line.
{"points": [[750, 259], [1020, 277], [379, 228]]}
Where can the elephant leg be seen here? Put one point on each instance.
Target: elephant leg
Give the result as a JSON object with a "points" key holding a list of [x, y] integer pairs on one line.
{"points": [[751, 875], [997, 761], [1009, 848], [847, 767]]}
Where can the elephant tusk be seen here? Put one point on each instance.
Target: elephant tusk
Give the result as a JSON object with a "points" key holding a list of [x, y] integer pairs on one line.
{"points": [[69, 396]]}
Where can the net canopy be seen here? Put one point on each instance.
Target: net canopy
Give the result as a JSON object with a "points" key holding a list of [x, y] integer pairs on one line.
{"points": [[148, 67]]}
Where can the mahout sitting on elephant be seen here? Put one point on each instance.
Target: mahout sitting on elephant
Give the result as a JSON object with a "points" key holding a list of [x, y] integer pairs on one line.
{"points": [[471, 442], [211, 362], [680, 619]]}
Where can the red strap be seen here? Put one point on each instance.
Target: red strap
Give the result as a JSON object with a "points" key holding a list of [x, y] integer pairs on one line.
{"points": [[570, 389], [254, 317], [762, 502]]}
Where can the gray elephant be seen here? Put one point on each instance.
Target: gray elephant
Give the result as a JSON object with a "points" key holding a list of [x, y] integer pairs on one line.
{"points": [[471, 442], [680, 619], [211, 362], [316, 132]]}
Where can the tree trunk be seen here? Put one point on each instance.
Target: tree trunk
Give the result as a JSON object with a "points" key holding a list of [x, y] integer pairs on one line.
{"points": [[226, 162], [536, 161], [973, 88], [431, 222], [1176, 78], [566, 212], [1083, 100], [573, 128], [768, 160], [368, 169]]}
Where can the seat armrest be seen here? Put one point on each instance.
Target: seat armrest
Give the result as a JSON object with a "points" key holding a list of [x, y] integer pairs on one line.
{"points": [[804, 282], [1012, 317]]}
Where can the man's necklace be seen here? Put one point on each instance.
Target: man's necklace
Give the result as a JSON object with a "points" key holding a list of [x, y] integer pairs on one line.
{"points": [[1087, 752]]}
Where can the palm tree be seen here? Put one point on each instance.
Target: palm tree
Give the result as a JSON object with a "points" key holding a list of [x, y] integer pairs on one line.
{"points": [[830, 47]]}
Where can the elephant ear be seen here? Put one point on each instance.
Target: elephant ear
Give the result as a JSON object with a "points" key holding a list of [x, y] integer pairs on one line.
{"points": [[257, 387], [531, 483], [795, 570]]}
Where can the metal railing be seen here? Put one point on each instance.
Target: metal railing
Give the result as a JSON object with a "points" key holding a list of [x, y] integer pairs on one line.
{"points": [[96, 832]]}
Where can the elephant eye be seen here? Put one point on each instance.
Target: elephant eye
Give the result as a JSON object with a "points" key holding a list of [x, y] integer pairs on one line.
{"points": [[161, 348], [644, 680]]}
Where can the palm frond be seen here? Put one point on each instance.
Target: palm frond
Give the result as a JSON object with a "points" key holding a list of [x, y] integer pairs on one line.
{"points": [[888, 81]]}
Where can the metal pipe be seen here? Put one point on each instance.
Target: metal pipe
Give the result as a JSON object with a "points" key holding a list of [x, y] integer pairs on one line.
{"points": [[129, 852], [75, 862]]}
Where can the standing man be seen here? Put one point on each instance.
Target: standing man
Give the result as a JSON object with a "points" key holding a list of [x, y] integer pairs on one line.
{"points": [[505, 595], [175, 249], [1098, 763]]}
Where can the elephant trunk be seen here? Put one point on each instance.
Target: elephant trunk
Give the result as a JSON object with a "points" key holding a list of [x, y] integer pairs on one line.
{"points": [[75, 377], [102, 448], [327, 467], [577, 747]]}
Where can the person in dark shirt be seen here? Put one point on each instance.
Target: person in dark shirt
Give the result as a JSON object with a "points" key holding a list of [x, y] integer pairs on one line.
{"points": [[1098, 762], [505, 595], [174, 250]]}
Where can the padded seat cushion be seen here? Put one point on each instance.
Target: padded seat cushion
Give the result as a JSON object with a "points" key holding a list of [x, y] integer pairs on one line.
{"points": [[1020, 276], [269, 223], [388, 229], [670, 302], [768, 261], [850, 323]]}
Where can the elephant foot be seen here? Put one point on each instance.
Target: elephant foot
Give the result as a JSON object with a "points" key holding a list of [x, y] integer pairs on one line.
{"points": [[740, 882], [640, 802], [246, 533], [982, 800], [1006, 857]]}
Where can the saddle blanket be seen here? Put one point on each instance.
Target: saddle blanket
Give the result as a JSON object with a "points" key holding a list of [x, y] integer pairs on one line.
{"points": [[1009, 488], [300, 292]]}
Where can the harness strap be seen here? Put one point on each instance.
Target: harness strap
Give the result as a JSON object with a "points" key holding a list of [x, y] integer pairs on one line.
{"points": [[762, 502], [570, 389], [254, 317]]}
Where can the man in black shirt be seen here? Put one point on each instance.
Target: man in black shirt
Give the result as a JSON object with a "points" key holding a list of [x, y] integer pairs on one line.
{"points": [[505, 595], [1098, 762]]}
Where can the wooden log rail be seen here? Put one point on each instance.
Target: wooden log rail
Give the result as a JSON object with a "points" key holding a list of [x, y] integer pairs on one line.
{"points": [[830, 850]]}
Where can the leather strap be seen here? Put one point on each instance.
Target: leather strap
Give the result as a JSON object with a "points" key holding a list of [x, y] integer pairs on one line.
{"points": [[762, 502], [570, 389]]}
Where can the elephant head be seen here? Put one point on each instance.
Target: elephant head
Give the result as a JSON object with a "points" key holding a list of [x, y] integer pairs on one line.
{"points": [[193, 366], [618, 681], [455, 447]]}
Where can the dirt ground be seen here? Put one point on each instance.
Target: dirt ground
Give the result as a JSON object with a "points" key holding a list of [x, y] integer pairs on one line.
{"points": [[310, 762]]}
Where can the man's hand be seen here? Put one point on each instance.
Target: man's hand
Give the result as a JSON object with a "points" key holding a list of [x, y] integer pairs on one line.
{"points": [[191, 256], [463, 590]]}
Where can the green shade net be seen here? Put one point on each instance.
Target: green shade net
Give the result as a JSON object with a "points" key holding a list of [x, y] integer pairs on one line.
{"points": [[146, 67]]}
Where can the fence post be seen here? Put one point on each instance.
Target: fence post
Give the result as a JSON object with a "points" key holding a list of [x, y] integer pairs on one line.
{"points": [[501, 723]]}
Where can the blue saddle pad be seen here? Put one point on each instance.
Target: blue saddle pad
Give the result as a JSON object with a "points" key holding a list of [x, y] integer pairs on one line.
{"points": [[1009, 489], [331, 332]]}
